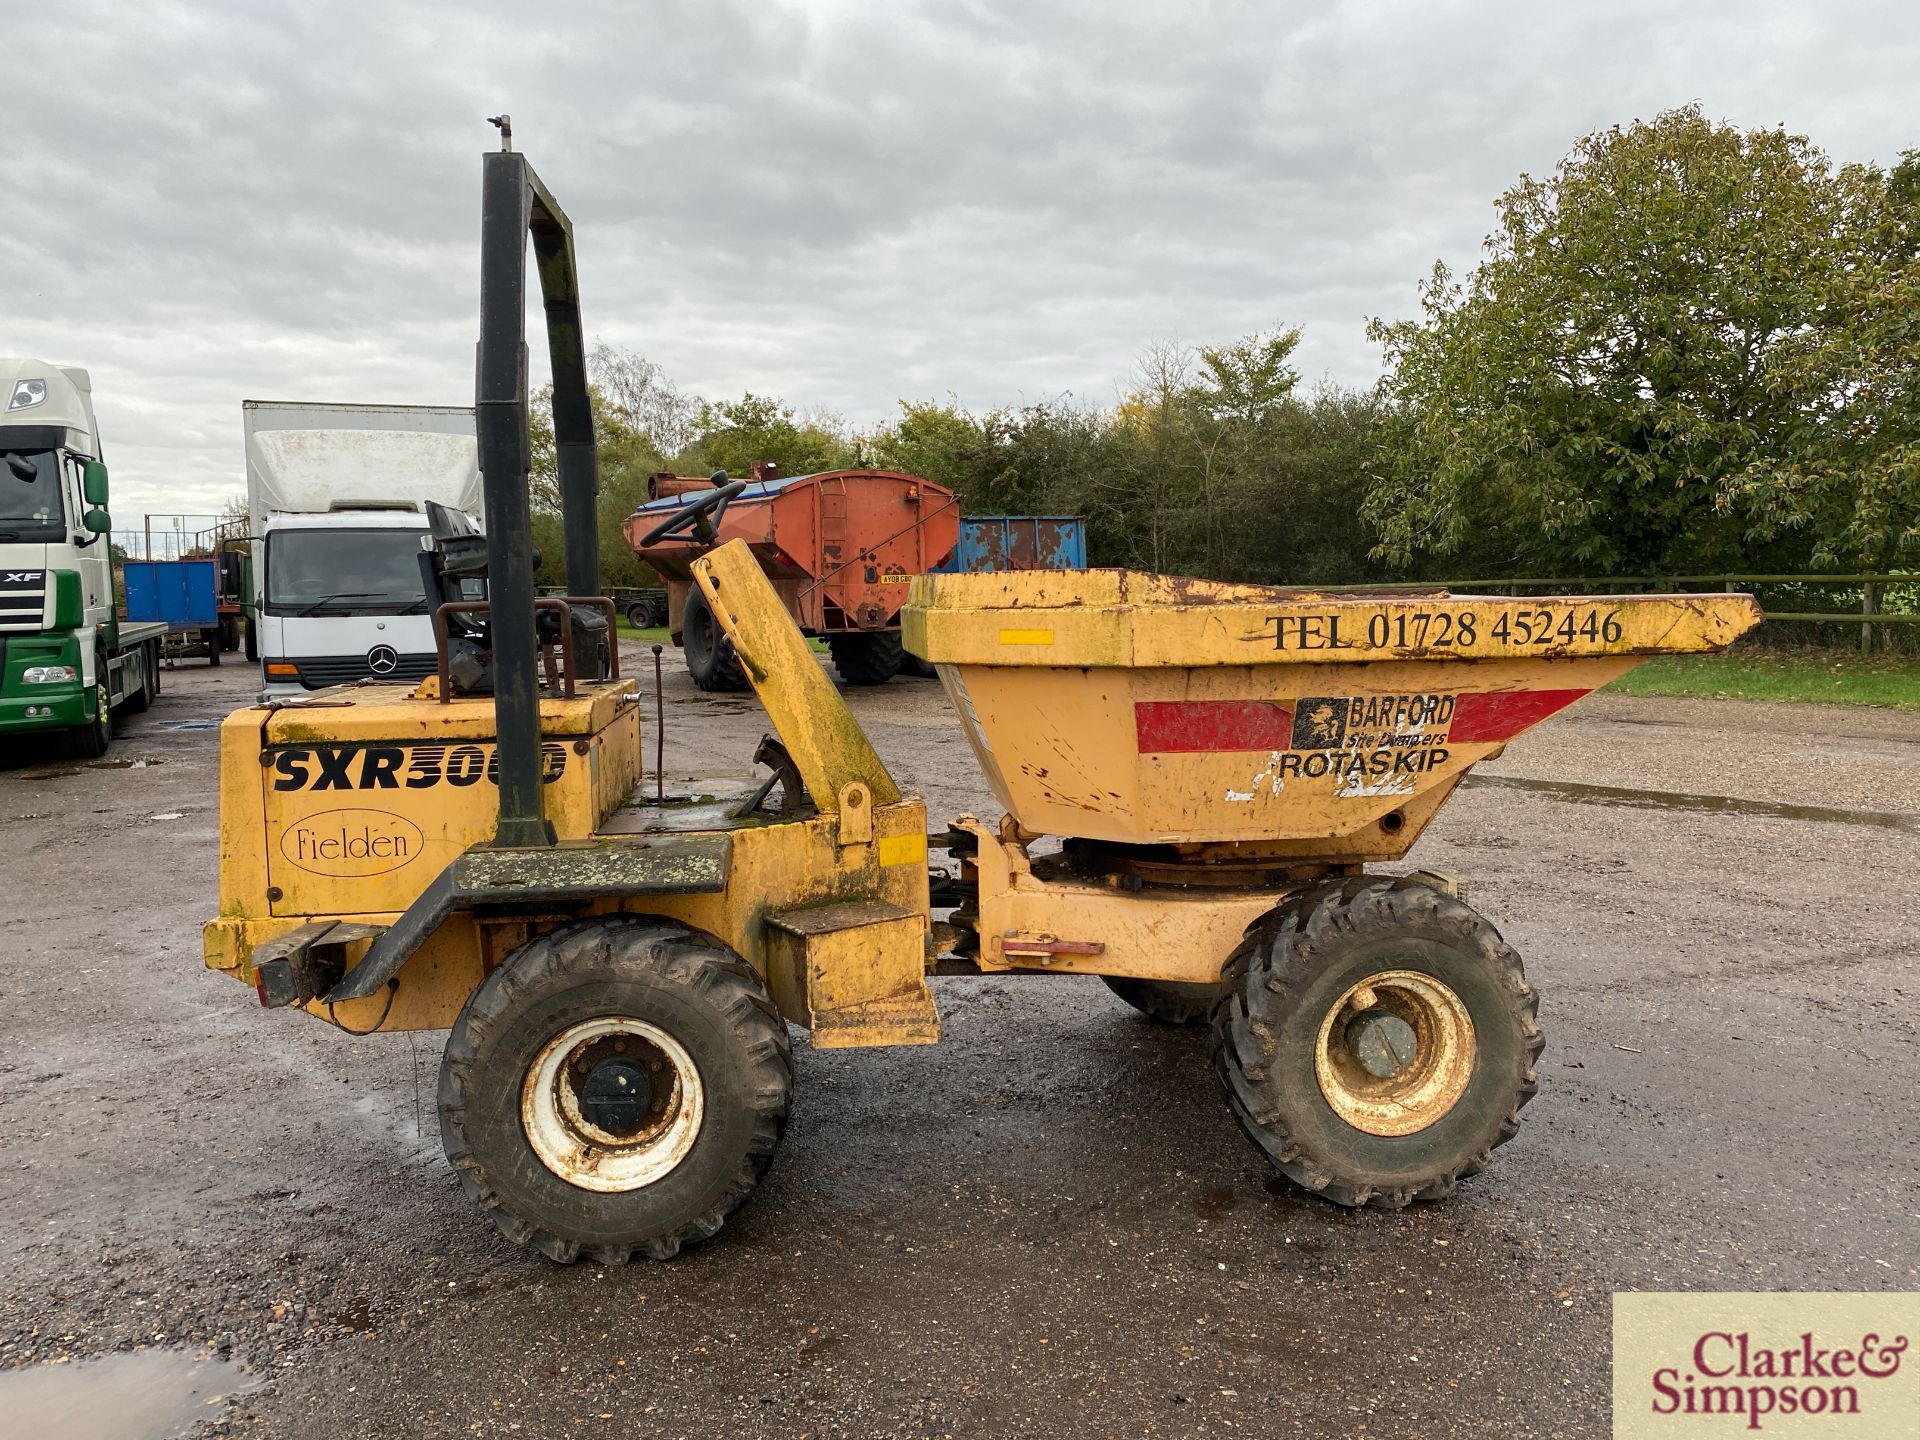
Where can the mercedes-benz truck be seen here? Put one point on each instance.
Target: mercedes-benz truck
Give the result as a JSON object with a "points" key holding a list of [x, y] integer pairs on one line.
{"points": [[337, 499]]}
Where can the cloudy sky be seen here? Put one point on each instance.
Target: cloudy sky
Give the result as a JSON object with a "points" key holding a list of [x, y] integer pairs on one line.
{"points": [[839, 202]]}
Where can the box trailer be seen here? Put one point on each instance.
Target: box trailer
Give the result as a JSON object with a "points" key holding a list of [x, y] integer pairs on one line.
{"points": [[183, 595]]}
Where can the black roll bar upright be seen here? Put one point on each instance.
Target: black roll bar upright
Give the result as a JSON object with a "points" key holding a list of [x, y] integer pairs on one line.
{"points": [[514, 205]]}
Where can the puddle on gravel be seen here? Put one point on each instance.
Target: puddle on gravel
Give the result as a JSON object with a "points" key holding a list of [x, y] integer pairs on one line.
{"points": [[139, 762], [148, 1395], [1711, 804]]}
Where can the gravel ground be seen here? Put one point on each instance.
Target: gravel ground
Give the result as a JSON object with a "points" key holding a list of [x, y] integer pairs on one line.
{"points": [[1048, 1224]]}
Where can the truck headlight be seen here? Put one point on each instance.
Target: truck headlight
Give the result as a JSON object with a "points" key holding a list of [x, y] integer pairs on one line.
{"points": [[26, 393], [48, 674]]}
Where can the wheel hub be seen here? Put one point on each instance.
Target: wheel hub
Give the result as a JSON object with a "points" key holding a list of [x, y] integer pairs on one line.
{"points": [[612, 1104], [1394, 1053], [616, 1096], [1382, 1043]]}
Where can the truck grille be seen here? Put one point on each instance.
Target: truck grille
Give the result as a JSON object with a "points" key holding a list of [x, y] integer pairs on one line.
{"points": [[23, 599], [319, 671]]}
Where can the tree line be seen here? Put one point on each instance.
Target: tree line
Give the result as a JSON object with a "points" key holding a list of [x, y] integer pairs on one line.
{"points": [[1691, 348]]}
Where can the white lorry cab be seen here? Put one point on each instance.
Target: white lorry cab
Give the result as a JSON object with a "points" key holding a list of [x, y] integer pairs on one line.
{"points": [[66, 660], [337, 496]]}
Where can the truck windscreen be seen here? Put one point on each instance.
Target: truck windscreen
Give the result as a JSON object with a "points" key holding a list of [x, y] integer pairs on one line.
{"points": [[344, 572], [30, 505]]}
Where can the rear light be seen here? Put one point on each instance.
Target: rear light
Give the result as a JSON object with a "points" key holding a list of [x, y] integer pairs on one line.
{"points": [[283, 669]]}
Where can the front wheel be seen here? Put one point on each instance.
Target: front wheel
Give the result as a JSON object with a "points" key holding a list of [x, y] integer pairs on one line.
{"points": [[710, 657], [1377, 1041], [616, 1087]]}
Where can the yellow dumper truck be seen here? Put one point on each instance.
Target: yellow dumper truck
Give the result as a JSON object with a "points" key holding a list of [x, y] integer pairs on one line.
{"points": [[1213, 769]]}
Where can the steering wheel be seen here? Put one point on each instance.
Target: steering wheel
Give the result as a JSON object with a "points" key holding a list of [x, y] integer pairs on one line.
{"points": [[703, 513]]}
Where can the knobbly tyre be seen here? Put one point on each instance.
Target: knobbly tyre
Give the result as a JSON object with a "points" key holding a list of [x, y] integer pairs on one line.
{"points": [[617, 965]]}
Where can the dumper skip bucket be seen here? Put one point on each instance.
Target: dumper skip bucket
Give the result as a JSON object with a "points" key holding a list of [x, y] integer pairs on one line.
{"points": [[1136, 708]]}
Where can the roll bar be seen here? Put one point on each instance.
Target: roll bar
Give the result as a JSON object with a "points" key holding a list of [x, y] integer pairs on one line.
{"points": [[516, 205]]}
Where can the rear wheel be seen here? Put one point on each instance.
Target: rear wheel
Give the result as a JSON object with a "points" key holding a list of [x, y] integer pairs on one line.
{"points": [[1168, 1001], [872, 658], [90, 740], [710, 657], [1377, 1041], [147, 683], [616, 1087]]}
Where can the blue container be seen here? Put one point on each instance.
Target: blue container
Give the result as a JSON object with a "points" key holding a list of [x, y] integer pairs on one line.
{"points": [[180, 592], [1018, 542]]}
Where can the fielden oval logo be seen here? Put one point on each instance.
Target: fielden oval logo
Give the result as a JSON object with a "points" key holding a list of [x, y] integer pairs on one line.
{"points": [[352, 843]]}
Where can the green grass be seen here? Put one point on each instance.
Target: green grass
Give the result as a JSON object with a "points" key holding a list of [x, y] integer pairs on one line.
{"points": [[1827, 678]]}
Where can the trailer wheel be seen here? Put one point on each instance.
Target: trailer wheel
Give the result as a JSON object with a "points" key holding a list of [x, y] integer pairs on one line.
{"points": [[1377, 1041], [617, 1086], [89, 741], [872, 658], [1168, 1001], [912, 665], [710, 657], [212, 637], [638, 616]]}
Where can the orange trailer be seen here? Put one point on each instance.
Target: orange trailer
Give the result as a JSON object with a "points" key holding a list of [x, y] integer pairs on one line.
{"points": [[839, 548]]}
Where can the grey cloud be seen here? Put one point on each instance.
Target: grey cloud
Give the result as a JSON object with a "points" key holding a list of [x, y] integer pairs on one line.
{"points": [[842, 202]]}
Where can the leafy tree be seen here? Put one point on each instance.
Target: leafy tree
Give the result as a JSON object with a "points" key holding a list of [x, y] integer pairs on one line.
{"points": [[640, 417], [1249, 381], [731, 435], [1047, 457], [946, 444], [1690, 347], [638, 399], [1210, 466], [1847, 473]]}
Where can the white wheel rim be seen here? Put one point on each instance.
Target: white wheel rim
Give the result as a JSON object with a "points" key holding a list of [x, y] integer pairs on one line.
{"points": [[572, 1145], [1424, 1090]]}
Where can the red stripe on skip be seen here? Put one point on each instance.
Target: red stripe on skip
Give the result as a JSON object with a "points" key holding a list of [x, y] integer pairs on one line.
{"points": [[1185, 727], [1501, 715]]}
